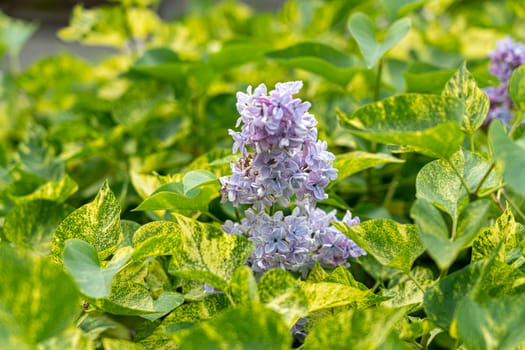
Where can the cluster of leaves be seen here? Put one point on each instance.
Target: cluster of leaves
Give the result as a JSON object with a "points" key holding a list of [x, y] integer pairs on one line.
{"points": [[110, 213]]}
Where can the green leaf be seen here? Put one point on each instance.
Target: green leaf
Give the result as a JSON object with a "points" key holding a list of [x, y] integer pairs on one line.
{"points": [[434, 233], [517, 87], [237, 54], [283, 294], [190, 313], [38, 300], [495, 280], [392, 244], [353, 162], [204, 252], [243, 286], [197, 178], [32, 224], [363, 31], [97, 223], [57, 191], [318, 58], [248, 327], [439, 181], [406, 291], [171, 198], [134, 106], [402, 7], [463, 86], [132, 299], [509, 156], [81, 261], [15, 33], [492, 326], [156, 238], [431, 82], [120, 344], [507, 232], [326, 295], [424, 123], [353, 329]]}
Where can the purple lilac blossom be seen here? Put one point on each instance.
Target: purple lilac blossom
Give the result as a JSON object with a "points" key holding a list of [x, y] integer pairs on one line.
{"points": [[507, 56], [283, 163]]}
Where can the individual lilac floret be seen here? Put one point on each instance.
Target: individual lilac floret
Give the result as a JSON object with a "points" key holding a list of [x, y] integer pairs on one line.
{"points": [[281, 156], [507, 56]]}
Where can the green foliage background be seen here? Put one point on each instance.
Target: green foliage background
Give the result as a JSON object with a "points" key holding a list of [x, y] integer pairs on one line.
{"points": [[110, 210]]}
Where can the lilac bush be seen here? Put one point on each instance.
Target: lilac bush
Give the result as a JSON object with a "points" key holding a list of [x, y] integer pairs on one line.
{"points": [[507, 56], [283, 164]]}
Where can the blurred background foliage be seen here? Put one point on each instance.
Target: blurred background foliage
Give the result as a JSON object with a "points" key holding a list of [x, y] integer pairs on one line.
{"points": [[164, 98]]}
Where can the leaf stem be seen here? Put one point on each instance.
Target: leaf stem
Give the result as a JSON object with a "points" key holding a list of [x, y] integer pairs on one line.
{"points": [[377, 87], [484, 178], [472, 144]]}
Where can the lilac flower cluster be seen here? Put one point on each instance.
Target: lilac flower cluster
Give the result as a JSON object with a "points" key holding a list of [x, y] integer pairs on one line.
{"points": [[283, 163], [507, 56]]}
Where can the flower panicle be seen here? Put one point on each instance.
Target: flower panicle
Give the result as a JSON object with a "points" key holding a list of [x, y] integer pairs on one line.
{"points": [[283, 163]]}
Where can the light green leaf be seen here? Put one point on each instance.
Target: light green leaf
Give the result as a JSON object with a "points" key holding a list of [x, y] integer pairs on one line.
{"points": [[170, 198], [197, 178], [403, 291], [439, 181], [32, 224], [72, 338], [491, 326], [517, 87], [318, 58], [434, 233], [134, 106], [38, 300], [81, 261], [156, 238], [15, 33], [283, 294], [353, 329], [133, 299], [364, 33], [463, 86], [190, 313], [507, 232], [249, 327], [204, 252], [57, 191], [97, 223], [120, 344], [325, 295], [243, 286], [427, 124], [509, 156], [353, 162], [392, 244]]}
